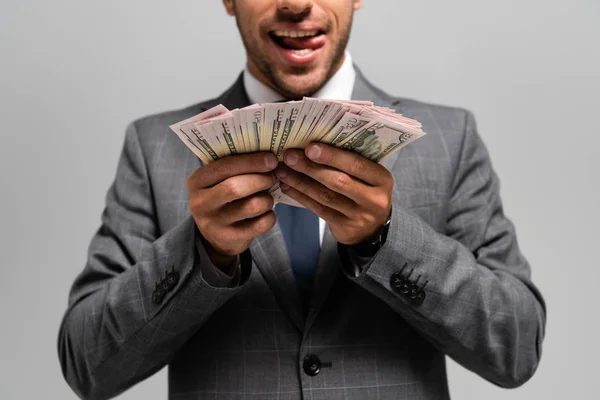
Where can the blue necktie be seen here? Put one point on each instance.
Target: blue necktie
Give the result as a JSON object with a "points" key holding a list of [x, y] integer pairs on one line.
{"points": [[300, 228]]}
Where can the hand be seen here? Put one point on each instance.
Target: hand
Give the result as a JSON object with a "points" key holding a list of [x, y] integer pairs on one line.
{"points": [[230, 204], [351, 193]]}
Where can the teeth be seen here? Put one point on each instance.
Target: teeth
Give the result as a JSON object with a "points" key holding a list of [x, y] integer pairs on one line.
{"points": [[302, 52], [294, 34]]}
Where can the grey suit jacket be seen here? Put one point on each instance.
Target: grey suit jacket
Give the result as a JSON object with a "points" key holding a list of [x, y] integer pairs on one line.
{"points": [[141, 301]]}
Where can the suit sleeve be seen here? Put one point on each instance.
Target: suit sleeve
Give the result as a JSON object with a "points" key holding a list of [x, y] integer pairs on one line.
{"points": [[213, 275], [141, 296], [469, 290]]}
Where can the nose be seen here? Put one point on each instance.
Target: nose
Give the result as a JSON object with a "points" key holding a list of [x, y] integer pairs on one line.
{"points": [[294, 6]]}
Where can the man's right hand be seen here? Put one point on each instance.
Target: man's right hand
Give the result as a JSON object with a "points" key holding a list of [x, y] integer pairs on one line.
{"points": [[230, 203]]}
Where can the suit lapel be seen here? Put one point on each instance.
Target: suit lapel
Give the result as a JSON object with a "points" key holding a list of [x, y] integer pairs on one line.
{"points": [[364, 90], [270, 255], [269, 251], [328, 268], [235, 96], [329, 264]]}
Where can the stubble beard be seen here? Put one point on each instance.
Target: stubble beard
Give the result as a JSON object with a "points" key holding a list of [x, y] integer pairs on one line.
{"points": [[280, 82]]}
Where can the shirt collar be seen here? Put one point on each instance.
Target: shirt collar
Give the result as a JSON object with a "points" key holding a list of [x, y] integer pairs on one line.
{"points": [[338, 87]]}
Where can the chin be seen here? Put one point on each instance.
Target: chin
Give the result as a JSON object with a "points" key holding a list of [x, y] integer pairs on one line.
{"points": [[300, 85]]}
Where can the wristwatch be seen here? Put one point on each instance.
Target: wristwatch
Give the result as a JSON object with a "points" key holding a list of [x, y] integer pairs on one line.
{"points": [[370, 247]]}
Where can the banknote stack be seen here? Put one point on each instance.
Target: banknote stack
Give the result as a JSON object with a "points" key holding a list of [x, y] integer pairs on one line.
{"points": [[360, 126]]}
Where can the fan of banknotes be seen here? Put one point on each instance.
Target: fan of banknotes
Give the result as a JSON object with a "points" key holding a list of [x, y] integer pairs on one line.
{"points": [[359, 126]]}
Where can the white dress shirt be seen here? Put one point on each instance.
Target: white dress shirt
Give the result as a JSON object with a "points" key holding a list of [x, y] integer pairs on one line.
{"points": [[339, 87]]}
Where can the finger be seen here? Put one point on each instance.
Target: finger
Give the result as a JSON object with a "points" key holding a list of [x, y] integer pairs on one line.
{"points": [[316, 191], [246, 208], [238, 187], [224, 168], [328, 214], [249, 229], [351, 163], [333, 178]]}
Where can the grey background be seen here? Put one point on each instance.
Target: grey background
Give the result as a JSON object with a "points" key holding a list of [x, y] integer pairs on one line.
{"points": [[74, 73]]}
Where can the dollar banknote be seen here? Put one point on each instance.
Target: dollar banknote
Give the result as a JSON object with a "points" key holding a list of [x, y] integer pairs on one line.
{"points": [[359, 126]]}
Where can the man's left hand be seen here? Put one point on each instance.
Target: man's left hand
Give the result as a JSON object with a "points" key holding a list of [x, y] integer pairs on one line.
{"points": [[351, 193]]}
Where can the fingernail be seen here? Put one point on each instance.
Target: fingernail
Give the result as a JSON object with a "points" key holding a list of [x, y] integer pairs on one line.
{"points": [[291, 158], [270, 161], [313, 151], [281, 173], [283, 187]]}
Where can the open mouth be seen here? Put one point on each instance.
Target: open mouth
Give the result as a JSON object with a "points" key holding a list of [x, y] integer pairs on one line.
{"points": [[299, 46]]}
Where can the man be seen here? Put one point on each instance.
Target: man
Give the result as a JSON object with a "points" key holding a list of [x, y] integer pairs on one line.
{"points": [[193, 268]]}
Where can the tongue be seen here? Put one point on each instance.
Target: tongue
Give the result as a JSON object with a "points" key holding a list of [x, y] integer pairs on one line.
{"points": [[299, 43]]}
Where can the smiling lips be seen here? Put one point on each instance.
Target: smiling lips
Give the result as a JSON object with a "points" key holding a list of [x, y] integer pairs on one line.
{"points": [[299, 46]]}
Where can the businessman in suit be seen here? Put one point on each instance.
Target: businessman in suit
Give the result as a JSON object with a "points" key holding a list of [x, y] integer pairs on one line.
{"points": [[360, 295]]}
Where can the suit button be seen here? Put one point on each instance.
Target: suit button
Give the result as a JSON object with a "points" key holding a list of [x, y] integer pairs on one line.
{"points": [[165, 285], [396, 281], [414, 292], [158, 296], [312, 365], [172, 278], [406, 287], [420, 297]]}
